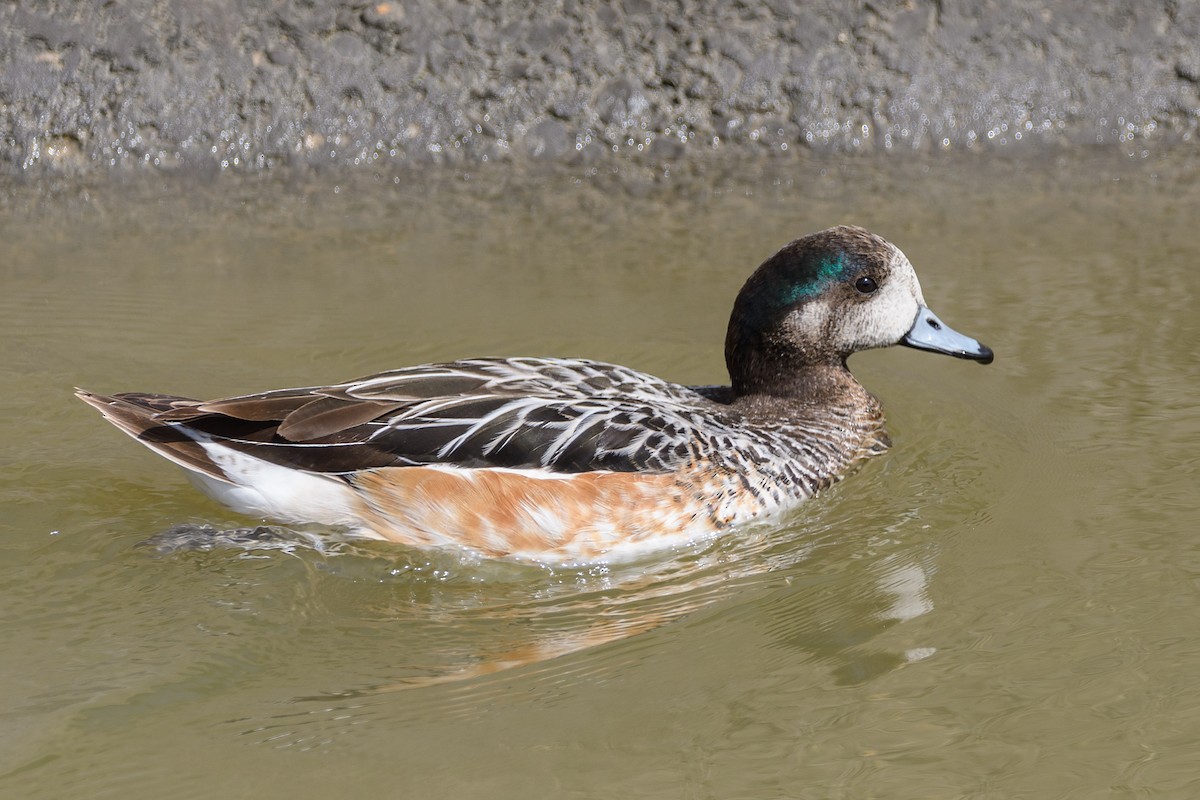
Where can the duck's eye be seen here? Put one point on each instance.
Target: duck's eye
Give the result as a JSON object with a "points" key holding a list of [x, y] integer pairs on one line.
{"points": [[866, 284]]}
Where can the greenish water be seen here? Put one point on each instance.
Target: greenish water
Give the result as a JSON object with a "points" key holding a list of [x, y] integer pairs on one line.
{"points": [[1005, 605]]}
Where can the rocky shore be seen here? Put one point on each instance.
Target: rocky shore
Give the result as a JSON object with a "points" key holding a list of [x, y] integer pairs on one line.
{"points": [[216, 84]]}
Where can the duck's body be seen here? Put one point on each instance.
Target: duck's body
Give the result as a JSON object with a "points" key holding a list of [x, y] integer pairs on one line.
{"points": [[568, 459], [528, 457]]}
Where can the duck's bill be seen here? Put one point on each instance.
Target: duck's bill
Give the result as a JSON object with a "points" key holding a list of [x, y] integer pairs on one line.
{"points": [[930, 333]]}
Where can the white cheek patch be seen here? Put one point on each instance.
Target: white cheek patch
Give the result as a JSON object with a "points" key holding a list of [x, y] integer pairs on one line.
{"points": [[889, 313], [808, 321], [901, 266], [812, 316]]}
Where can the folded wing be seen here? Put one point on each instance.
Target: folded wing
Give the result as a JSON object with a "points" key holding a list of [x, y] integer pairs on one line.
{"points": [[553, 414]]}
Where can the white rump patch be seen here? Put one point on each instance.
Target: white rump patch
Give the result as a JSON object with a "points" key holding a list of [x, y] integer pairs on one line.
{"points": [[259, 488]]}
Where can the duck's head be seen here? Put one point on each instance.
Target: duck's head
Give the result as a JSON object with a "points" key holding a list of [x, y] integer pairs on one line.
{"points": [[823, 297]]}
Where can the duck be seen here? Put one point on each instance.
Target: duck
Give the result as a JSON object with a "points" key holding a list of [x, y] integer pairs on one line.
{"points": [[568, 459]]}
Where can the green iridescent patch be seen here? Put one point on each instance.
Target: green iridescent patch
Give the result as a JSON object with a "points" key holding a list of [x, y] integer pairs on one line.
{"points": [[802, 281], [827, 272]]}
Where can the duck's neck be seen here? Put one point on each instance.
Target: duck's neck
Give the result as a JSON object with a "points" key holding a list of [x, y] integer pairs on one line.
{"points": [[773, 364], [824, 385]]}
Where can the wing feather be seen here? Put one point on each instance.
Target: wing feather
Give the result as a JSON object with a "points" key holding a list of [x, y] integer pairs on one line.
{"points": [[565, 415], [326, 416]]}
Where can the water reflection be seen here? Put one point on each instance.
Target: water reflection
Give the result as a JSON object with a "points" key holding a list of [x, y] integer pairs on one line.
{"points": [[499, 650], [471, 633]]}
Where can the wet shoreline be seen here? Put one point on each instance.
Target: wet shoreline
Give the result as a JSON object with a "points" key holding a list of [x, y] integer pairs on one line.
{"points": [[250, 87]]}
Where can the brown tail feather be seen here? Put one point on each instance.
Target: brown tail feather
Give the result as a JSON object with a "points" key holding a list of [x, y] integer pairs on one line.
{"points": [[138, 416]]}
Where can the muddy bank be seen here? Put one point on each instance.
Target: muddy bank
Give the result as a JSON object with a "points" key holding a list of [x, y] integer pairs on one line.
{"points": [[248, 86]]}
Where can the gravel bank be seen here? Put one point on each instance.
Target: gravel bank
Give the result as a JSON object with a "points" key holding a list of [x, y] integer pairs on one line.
{"points": [[217, 84]]}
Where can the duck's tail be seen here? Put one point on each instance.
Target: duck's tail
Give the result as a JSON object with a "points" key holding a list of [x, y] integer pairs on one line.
{"points": [[226, 467], [138, 415]]}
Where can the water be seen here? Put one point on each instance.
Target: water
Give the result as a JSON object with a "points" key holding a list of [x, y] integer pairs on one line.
{"points": [[1005, 605]]}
